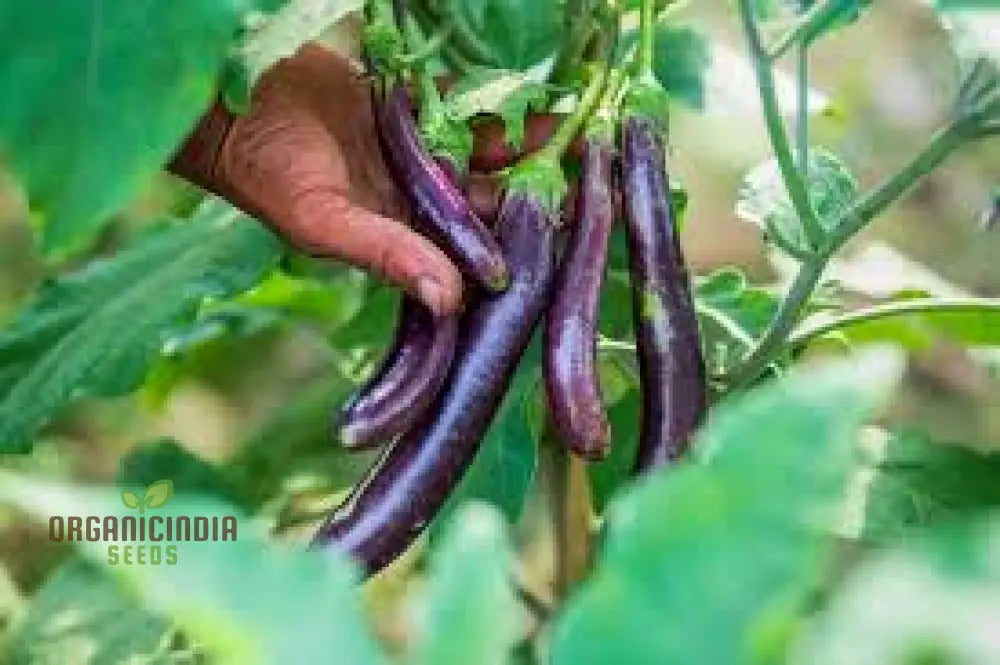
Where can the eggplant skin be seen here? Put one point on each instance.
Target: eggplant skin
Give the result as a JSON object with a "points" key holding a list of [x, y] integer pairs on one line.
{"points": [[404, 490], [440, 210], [571, 377], [405, 384], [671, 366]]}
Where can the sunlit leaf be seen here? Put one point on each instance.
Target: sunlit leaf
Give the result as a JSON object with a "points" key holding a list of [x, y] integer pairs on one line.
{"points": [[470, 614], [763, 199], [725, 547]]}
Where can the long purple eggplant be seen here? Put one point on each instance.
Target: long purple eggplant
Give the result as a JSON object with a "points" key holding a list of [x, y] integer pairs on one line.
{"points": [[571, 377], [410, 377], [403, 491], [671, 367], [440, 210]]}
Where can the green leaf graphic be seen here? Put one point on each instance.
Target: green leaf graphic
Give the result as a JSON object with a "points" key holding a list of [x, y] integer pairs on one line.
{"points": [[130, 499], [158, 493]]}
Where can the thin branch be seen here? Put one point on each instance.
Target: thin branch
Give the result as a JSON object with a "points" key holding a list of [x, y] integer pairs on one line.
{"points": [[805, 26], [941, 145], [810, 331], [794, 181]]}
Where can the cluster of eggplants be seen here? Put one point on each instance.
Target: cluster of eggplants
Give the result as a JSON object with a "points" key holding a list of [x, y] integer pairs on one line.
{"points": [[434, 396]]}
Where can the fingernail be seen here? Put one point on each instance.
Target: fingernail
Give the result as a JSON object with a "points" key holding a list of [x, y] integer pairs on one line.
{"points": [[431, 294]]}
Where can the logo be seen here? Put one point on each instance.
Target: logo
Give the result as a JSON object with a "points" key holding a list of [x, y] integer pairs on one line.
{"points": [[145, 538]]}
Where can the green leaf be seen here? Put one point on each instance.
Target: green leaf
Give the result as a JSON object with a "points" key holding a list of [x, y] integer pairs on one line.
{"points": [[934, 602], [130, 499], [725, 547], [92, 110], [763, 199], [158, 493], [165, 458], [470, 613], [732, 316], [509, 34], [681, 59], [80, 616], [913, 323], [295, 443], [919, 483], [281, 34], [505, 465], [503, 93], [246, 601], [94, 332]]}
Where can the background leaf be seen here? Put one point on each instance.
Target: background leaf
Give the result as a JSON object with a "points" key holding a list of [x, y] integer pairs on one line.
{"points": [[913, 323], [234, 597], [734, 535], [511, 34], [130, 499], [919, 483], [763, 199], [95, 331], [91, 110], [80, 616], [470, 613]]}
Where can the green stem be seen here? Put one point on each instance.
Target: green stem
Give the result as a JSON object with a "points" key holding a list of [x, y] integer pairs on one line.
{"points": [[808, 332], [455, 59], [580, 29], [806, 26], [802, 109], [794, 181], [647, 38], [570, 127], [941, 145], [864, 210], [428, 46]]}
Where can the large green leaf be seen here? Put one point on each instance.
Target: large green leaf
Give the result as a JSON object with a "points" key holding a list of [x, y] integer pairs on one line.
{"points": [[470, 614], [97, 95], [245, 601], [509, 34], [680, 61], [94, 332], [709, 562], [919, 483], [935, 602], [80, 616], [914, 323]]}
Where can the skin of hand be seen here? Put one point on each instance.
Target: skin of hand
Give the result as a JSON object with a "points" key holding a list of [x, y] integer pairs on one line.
{"points": [[306, 161]]}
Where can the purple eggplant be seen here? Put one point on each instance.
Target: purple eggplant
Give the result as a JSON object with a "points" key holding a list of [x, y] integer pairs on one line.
{"points": [[440, 210], [671, 367], [404, 490], [407, 382], [571, 377]]}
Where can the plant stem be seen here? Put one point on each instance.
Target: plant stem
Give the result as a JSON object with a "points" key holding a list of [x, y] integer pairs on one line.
{"points": [[647, 38], [861, 213], [941, 145], [428, 46], [794, 181], [456, 60], [563, 137], [808, 332], [806, 25], [802, 105]]}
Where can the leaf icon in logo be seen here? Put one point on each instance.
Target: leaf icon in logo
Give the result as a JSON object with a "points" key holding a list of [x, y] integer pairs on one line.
{"points": [[130, 499], [158, 494]]}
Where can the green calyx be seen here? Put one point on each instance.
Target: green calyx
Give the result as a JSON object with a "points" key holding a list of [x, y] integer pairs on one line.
{"points": [[647, 98], [541, 178]]}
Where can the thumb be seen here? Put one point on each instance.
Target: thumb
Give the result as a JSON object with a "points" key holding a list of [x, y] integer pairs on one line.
{"points": [[324, 223]]}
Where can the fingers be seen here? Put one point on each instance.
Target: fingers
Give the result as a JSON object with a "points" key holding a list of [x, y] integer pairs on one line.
{"points": [[324, 223]]}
